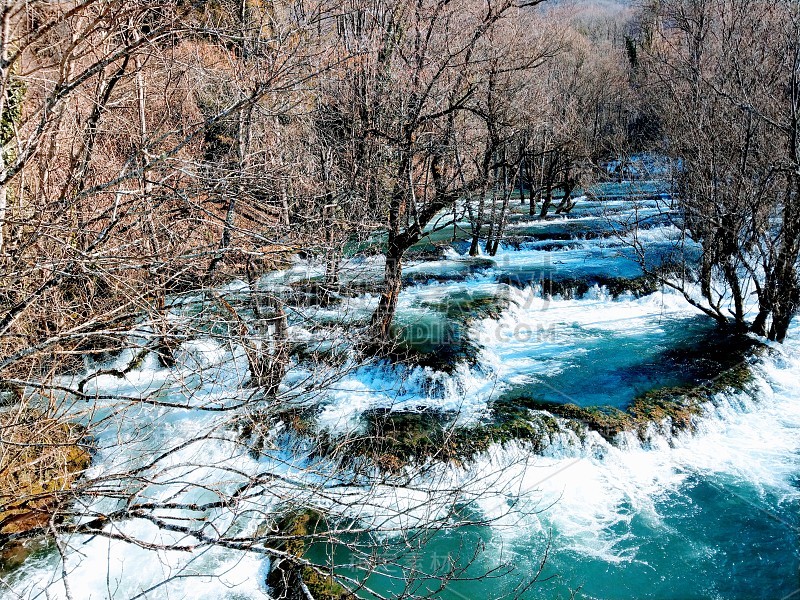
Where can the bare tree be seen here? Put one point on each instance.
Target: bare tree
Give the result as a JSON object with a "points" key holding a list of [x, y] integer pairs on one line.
{"points": [[156, 162], [725, 75], [420, 67], [583, 113]]}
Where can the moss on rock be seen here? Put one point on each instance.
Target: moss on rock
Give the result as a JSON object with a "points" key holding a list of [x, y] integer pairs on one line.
{"points": [[40, 460], [394, 439], [568, 287], [678, 405], [296, 531], [14, 553]]}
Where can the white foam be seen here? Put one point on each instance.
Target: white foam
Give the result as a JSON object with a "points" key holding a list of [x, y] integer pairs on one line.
{"points": [[585, 489], [594, 487]]}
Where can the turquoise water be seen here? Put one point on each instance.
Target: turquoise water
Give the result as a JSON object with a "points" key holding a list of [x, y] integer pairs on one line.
{"points": [[711, 538], [709, 515], [614, 370], [716, 515]]}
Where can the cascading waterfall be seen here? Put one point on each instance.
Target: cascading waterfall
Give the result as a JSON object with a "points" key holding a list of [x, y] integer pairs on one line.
{"points": [[707, 513]]}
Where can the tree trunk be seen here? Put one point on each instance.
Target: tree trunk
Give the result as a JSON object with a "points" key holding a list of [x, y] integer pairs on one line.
{"points": [[332, 267], [548, 175], [474, 247], [455, 221], [783, 287], [333, 249], [3, 206], [393, 283], [781, 319], [565, 206], [493, 211], [548, 199], [732, 277], [706, 269], [476, 224], [494, 243], [785, 293], [5, 73], [759, 325], [532, 206], [268, 362], [532, 194]]}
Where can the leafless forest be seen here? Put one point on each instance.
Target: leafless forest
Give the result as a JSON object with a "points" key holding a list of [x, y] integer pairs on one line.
{"points": [[160, 158]]}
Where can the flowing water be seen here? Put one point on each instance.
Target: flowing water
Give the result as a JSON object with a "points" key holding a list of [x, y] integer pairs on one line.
{"points": [[714, 513]]}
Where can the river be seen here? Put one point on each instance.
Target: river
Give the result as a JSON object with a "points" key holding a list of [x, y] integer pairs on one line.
{"points": [[709, 513]]}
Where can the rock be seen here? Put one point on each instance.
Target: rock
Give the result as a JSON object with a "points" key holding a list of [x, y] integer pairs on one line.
{"points": [[46, 458], [14, 553], [290, 581]]}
